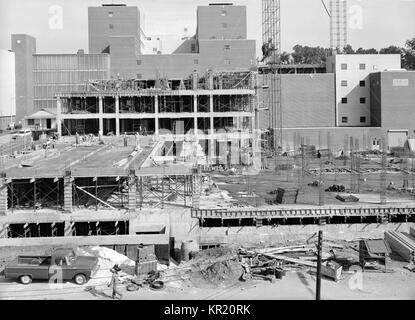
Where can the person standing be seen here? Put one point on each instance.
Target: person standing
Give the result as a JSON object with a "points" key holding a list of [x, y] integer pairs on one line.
{"points": [[115, 282]]}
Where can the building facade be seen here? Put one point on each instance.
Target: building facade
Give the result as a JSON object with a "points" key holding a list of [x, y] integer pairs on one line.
{"points": [[393, 104], [7, 88], [352, 73], [56, 73]]}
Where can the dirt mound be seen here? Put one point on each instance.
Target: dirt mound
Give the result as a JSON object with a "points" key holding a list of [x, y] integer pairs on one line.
{"points": [[222, 272]]}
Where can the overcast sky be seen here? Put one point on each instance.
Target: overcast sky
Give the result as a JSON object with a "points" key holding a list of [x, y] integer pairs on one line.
{"points": [[372, 23]]}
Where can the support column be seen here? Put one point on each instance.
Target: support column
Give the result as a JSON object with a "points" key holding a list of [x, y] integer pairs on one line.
{"points": [[212, 149], [195, 114], [4, 230], [156, 116], [3, 195], [132, 191], [59, 117], [117, 115], [100, 114], [69, 229], [67, 192]]}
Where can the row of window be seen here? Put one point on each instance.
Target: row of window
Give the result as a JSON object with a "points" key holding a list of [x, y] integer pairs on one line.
{"points": [[362, 66], [346, 120], [344, 83], [346, 100]]}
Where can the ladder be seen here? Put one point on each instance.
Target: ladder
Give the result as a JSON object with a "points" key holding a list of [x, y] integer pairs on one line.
{"points": [[136, 125]]}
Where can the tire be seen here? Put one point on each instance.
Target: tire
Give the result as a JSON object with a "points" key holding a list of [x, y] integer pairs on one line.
{"points": [[157, 285], [25, 279], [80, 279]]}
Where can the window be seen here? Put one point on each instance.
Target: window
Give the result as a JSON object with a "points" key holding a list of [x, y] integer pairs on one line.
{"points": [[138, 62], [30, 122], [227, 62], [193, 47], [363, 83], [344, 83], [362, 66], [345, 120], [110, 14], [196, 61], [223, 13], [111, 26], [224, 25], [362, 119], [139, 76], [344, 100], [362, 100], [226, 47], [344, 66]]}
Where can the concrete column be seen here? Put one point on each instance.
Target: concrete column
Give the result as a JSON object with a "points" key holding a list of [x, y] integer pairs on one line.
{"points": [[101, 112], [3, 196], [195, 113], [67, 192], [3, 231], [132, 191], [59, 117], [117, 115], [156, 115], [68, 232]]}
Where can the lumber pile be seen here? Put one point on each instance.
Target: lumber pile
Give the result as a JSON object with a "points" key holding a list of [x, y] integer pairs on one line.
{"points": [[401, 245], [287, 195], [275, 261]]}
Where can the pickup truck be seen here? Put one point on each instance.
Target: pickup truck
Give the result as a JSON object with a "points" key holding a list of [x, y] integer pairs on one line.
{"points": [[62, 263]]}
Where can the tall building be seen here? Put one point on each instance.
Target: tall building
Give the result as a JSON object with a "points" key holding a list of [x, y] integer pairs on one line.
{"points": [[7, 88], [24, 46], [114, 21], [352, 73]]}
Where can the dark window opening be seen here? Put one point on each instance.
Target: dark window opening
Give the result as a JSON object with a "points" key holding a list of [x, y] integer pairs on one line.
{"points": [[345, 120]]}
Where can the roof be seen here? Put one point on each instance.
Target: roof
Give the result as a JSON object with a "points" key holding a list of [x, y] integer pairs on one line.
{"points": [[42, 114], [377, 246]]}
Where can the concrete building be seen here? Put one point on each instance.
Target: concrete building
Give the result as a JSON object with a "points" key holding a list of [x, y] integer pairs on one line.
{"points": [[352, 73], [24, 46], [393, 104], [219, 44], [114, 20], [7, 89], [42, 120]]}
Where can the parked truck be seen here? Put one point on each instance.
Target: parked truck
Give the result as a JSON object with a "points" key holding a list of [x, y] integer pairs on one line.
{"points": [[63, 264]]}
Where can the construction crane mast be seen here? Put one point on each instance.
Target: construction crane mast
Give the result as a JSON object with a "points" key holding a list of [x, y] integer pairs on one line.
{"points": [[271, 49], [337, 12]]}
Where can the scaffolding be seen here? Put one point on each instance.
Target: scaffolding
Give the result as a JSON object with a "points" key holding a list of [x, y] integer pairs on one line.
{"points": [[338, 24]]}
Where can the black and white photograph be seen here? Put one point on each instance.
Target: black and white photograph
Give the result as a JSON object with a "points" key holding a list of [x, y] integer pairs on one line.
{"points": [[181, 151]]}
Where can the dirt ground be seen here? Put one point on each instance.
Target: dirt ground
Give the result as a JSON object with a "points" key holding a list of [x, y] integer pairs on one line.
{"points": [[298, 285]]}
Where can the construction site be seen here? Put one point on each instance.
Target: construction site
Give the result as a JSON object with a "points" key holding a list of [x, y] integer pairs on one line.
{"points": [[223, 208]]}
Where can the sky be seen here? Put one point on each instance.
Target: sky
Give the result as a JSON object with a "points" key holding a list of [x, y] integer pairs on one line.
{"points": [[372, 23]]}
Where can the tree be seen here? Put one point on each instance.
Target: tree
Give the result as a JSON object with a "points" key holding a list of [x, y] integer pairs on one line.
{"points": [[367, 51], [309, 55], [348, 50], [408, 59], [391, 50]]}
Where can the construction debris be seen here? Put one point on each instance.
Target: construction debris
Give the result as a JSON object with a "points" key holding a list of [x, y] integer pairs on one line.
{"points": [[401, 244]]}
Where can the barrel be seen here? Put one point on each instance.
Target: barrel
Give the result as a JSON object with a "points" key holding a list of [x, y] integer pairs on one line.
{"points": [[188, 247]]}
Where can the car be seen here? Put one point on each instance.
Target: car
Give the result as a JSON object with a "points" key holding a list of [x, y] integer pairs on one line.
{"points": [[22, 133], [70, 266]]}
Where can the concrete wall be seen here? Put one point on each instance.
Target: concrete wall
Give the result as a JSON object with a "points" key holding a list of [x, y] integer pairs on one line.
{"points": [[393, 100], [354, 110], [123, 57], [7, 86], [125, 21], [221, 22], [24, 47]]}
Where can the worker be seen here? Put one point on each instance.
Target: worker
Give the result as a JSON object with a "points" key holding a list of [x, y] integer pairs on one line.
{"points": [[115, 281]]}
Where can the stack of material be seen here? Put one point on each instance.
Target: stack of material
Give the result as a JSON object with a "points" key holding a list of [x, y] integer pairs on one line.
{"points": [[146, 260], [401, 244], [347, 198], [287, 195], [412, 231]]}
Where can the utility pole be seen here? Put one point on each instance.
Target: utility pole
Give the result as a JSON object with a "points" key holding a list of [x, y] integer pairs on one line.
{"points": [[319, 249]]}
